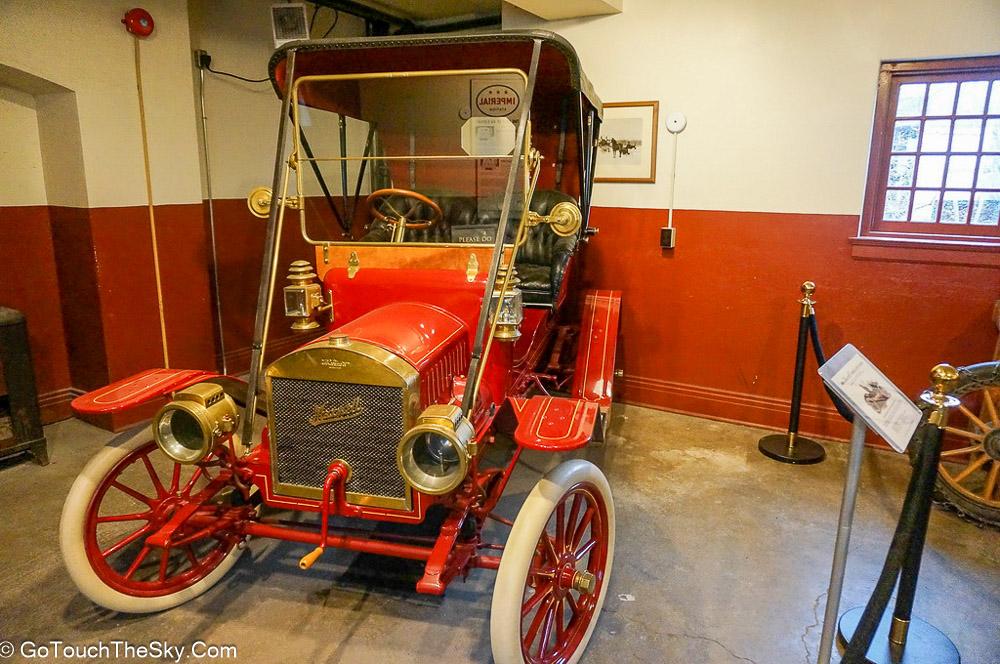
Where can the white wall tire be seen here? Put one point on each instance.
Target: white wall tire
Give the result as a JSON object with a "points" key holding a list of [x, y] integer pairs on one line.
{"points": [[568, 494], [77, 534]]}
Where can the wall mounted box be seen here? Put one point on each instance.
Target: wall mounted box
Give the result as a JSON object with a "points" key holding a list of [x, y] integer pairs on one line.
{"points": [[668, 237]]}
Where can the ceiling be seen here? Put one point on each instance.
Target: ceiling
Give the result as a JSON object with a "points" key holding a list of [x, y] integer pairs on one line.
{"points": [[556, 10], [429, 14], [422, 10]]}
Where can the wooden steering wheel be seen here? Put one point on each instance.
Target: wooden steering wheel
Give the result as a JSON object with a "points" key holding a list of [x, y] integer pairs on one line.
{"points": [[376, 199]]}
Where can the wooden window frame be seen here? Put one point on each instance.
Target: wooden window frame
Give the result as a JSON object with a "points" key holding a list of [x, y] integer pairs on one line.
{"points": [[891, 76]]}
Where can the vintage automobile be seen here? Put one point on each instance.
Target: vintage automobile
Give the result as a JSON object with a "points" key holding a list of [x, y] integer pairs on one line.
{"points": [[444, 334]]}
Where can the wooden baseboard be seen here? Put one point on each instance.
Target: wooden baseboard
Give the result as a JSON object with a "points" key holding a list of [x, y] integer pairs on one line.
{"points": [[819, 420], [54, 405]]}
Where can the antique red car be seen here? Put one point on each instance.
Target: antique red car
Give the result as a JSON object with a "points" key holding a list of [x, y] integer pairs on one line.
{"points": [[444, 334]]}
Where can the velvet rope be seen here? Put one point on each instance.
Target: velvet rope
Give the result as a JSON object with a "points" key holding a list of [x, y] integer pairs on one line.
{"points": [[903, 557], [841, 407]]}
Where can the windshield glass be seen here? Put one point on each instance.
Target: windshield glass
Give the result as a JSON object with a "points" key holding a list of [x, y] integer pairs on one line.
{"points": [[407, 157]]}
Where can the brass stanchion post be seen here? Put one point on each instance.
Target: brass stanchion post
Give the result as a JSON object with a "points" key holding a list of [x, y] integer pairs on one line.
{"points": [[791, 447], [867, 634]]}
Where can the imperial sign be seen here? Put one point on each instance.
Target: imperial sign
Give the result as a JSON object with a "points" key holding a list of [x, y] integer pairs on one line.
{"points": [[497, 100]]}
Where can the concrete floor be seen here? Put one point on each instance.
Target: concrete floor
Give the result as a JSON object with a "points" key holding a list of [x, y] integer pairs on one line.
{"points": [[723, 556]]}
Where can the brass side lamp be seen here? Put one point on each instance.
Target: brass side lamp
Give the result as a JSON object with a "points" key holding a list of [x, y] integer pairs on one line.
{"points": [[304, 297], [507, 305]]}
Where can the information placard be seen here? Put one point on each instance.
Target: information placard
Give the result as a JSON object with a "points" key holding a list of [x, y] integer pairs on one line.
{"points": [[882, 405]]}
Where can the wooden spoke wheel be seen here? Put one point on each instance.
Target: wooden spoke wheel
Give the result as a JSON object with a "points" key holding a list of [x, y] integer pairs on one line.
{"points": [[125, 494], [969, 472], [554, 573]]}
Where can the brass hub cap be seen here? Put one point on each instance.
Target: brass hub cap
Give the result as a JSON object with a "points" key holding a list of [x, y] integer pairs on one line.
{"points": [[568, 577]]}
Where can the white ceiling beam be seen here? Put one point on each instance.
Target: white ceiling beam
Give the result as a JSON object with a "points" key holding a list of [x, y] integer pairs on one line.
{"points": [[555, 10]]}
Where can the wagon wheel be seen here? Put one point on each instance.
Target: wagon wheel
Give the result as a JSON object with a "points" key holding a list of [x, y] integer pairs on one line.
{"points": [[969, 475], [121, 497], [554, 573]]}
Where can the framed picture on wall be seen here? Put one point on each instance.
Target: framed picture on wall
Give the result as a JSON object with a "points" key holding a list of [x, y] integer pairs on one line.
{"points": [[626, 151]]}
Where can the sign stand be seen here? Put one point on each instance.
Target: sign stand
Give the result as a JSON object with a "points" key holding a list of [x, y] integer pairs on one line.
{"points": [[858, 431], [868, 634], [927, 644]]}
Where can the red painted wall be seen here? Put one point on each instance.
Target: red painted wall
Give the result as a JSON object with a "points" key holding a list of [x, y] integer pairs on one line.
{"points": [[84, 279], [240, 245], [710, 327], [28, 283]]}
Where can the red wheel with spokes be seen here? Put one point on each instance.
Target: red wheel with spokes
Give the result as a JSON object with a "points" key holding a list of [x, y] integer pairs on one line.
{"points": [[112, 532], [553, 576]]}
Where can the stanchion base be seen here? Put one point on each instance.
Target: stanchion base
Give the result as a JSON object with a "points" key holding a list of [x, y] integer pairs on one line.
{"points": [[925, 644], [804, 451]]}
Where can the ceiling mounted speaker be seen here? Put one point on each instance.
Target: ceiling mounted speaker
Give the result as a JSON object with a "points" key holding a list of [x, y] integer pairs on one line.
{"points": [[288, 23]]}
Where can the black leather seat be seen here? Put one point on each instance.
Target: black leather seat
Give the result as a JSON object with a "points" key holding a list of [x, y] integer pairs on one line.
{"points": [[541, 261]]}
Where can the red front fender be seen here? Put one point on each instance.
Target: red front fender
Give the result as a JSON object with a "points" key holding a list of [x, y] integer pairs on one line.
{"points": [[138, 389]]}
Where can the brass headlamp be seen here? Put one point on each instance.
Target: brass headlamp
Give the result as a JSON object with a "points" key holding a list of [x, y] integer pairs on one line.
{"points": [[434, 455], [304, 297], [187, 428]]}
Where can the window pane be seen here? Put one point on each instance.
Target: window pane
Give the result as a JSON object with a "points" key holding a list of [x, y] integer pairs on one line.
{"points": [[995, 99], [986, 208], [941, 98], [911, 99], [960, 171], [897, 205], [905, 136], [931, 171], [955, 207], [972, 98], [991, 142], [936, 133], [900, 171], [925, 206], [989, 172], [966, 138]]}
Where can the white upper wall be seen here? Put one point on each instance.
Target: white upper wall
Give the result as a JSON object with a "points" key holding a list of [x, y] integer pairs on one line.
{"points": [[23, 182], [243, 117], [82, 46], [779, 95]]}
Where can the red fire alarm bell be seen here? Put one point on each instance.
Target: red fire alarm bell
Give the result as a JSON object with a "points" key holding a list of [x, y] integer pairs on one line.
{"points": [[139, 22]]}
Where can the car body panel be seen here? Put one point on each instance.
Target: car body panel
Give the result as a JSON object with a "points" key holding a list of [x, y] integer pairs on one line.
{"points": [[594, 376], [554, 424]]}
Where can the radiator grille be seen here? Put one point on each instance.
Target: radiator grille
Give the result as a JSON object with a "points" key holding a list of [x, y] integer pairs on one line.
{"points": [[366, 442]]}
